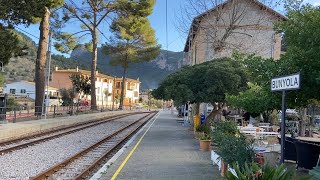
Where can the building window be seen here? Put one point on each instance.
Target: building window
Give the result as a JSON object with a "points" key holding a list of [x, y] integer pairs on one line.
{"points": [[136, 94], [98, 90], [22, 91], [118, 84], [12, 91], [106, 91]]}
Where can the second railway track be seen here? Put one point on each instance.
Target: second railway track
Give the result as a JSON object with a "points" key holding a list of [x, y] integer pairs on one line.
{"points": [[16, 144], [82, 164]]}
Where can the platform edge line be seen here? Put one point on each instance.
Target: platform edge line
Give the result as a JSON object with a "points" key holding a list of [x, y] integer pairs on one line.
{"points": [[132, 151]]}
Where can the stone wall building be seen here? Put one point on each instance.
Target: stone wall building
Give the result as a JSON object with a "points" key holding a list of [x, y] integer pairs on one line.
{"points": [[245, 26]]}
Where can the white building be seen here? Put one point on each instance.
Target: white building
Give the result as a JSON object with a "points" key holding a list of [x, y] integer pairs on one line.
{"points": [[104, 83], [27, 89], [131, 90]]}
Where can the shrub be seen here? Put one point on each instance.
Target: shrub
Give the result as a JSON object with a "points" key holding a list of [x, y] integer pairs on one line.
{"points": [[205, 136], [203, 128], [232, 146], [252, 171]]}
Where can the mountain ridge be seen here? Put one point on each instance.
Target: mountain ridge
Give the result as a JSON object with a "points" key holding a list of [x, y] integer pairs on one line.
{"points": [[150, 73]]}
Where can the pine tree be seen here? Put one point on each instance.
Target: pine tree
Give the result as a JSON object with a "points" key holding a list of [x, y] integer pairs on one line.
{"points": [[133, 39]]}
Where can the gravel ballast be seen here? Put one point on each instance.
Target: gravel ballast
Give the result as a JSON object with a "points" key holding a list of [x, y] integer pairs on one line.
{"points": [[28, 162]]}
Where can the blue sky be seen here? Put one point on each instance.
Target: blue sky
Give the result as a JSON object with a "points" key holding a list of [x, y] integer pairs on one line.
{"points": [[176, 41]]}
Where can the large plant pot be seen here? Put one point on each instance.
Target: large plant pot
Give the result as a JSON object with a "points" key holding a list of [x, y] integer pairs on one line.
{"points": [[204, 145], [224, 168]]}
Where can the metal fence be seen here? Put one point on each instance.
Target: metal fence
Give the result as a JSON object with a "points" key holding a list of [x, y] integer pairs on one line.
{"points": [[23, 113]]}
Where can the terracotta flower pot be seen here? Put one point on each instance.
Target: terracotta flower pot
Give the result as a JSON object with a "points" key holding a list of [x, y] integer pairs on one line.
{"points": [[224, 168], [204, 145]]}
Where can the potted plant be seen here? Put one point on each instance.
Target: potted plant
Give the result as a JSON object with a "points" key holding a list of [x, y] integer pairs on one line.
{"points": [[201, 130], [205, 140]]}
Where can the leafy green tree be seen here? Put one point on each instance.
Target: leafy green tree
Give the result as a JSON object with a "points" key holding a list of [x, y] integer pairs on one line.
{"points": [[303, 51], [116, 98], [208, 82], [2, 80], [67, 96], [255, 100], [9, 46], [15, 12], [81, 84], [134, 39], [91, 15]]}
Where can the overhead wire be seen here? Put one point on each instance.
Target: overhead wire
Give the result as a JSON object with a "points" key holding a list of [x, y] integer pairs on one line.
{"points": [[75, 5], [27, 32]]}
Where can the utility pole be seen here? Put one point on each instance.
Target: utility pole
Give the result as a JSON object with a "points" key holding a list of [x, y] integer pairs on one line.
{"points": [[48, 64], [113, 89]]}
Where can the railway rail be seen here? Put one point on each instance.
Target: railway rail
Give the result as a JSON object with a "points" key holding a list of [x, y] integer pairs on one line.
{"points": [[84, 163], [16, 144]]}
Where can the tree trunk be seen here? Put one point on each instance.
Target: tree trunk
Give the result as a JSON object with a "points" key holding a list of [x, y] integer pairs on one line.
{"points": [[195, 109], [41, 61], [94, 68], [122, 87], [217, 109]]}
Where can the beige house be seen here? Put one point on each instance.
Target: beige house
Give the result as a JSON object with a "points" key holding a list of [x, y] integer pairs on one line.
{"points": [[245, 26], [108, 88], [61, 79]]}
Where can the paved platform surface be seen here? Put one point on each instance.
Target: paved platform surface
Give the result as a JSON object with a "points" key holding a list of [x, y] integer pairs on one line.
{"points": [[167, 151], [20, 129]]}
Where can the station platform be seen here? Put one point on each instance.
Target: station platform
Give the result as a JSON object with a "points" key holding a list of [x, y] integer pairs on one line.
{"points": [[15, 130], [163, 150]]}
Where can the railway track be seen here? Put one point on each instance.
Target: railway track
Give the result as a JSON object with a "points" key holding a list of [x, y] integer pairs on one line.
{"points": [[12, 145], [84, 163]]}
